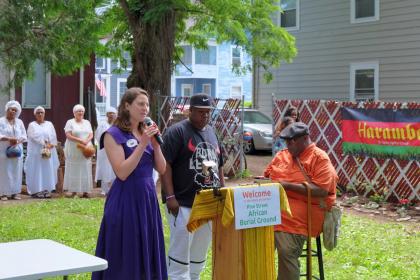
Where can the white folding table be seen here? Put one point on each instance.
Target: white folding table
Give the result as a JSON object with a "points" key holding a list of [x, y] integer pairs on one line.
{"points": [[39, 258]]}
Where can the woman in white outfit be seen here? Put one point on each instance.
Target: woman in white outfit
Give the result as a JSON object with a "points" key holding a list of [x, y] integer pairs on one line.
{"points": [[104, 171], [12, 133], [78, 168], [41, 162]]}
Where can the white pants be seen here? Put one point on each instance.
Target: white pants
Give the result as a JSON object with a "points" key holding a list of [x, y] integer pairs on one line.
{"points": [[187, 251]]}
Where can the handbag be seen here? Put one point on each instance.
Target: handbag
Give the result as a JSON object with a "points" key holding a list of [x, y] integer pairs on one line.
{"points": [[331, 227], [332, 219], [45, 153], [13, 151], [88, 151]]}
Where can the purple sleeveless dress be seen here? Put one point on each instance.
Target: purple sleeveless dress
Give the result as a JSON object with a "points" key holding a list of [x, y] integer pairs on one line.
{"points": [[131, 235]]}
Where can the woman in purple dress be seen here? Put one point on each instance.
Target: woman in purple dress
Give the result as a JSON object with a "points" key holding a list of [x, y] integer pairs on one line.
{"points": [[131, 234]]}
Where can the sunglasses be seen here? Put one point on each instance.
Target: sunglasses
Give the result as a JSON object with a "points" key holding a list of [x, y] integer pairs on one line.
{"points": [[13, 110]]}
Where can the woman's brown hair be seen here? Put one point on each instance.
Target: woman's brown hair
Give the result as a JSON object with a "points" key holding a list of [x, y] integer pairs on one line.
{"points": [[123, 118]]}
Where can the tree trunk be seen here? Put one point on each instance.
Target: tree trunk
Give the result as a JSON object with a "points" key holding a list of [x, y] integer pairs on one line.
{"points": [[152, 58]]}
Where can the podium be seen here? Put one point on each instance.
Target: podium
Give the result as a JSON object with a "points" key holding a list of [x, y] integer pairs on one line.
{"points": [[246, 254]]}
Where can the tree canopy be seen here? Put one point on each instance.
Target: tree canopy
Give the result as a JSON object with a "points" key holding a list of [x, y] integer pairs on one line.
{"points": [[154, 30], [63, 34]]}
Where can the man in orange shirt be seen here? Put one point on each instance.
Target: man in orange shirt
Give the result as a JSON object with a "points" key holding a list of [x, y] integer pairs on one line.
{"points": [[291, 235]]}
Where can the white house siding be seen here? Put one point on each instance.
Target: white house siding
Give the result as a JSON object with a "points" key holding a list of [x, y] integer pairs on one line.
{"points": [[328, 43]]}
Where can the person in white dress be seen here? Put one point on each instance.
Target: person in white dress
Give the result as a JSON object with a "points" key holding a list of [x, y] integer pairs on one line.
{"points": [[41, 162], [12, 133], [104, 171], [78, 167]]}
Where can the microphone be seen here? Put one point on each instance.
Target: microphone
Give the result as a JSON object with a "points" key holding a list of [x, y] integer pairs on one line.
{"points": [[148, 121], [208, 167]]}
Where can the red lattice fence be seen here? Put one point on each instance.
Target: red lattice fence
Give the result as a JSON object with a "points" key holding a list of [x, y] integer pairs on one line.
{"points": [[225, 119], [395, 179]]}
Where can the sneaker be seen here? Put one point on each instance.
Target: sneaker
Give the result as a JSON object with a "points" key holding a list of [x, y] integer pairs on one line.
{"points": [[16, 197], [3, 198]]}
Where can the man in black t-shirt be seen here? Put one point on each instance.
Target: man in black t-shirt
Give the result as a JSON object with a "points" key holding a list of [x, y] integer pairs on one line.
{"points": [[187, 144]]}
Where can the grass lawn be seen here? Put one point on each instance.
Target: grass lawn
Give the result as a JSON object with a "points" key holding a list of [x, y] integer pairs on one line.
{"points": [[368, 249]]}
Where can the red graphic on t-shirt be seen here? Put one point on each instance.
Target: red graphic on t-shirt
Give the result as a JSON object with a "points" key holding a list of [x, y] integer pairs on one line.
{"points": [[191, 146]]}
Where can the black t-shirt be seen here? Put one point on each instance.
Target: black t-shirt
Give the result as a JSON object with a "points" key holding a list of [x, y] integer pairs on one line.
{"points": [[183, 147]]}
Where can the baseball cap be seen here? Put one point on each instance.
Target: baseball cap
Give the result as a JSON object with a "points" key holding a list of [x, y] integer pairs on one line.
{"points": [[202, 101]]}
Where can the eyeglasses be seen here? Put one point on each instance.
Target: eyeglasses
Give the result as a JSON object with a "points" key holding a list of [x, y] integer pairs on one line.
{"points": [[13, 109], [39, 113]]}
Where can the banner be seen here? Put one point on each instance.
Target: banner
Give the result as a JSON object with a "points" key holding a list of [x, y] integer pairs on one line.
{"points": [[381, 132]]}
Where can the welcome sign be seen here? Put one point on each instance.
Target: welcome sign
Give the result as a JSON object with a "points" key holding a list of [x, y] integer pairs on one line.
{"points": [[257, 206], [382, 132]]}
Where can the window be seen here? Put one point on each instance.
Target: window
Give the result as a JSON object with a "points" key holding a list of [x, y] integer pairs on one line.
{"points": [[121, 88], [236, 56], [236, 92], [364, 11], [207, 89], [289, 14], [256, 117], [364, 81], [187, 57], [37, 92], [100, 63], [125, 65], [186, 89], [207, 57]]}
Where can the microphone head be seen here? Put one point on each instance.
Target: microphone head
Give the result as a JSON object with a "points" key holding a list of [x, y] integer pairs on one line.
{"points": [[148, 121]]}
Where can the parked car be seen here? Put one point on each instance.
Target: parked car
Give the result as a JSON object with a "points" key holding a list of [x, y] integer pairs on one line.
{"points": [[258, 131]]}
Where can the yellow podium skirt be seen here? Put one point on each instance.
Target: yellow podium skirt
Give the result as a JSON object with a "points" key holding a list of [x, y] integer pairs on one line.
{"points": [[237, 254]]}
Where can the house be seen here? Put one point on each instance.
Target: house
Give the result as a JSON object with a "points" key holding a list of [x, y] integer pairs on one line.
{"points": [[208, 71], [56, 94], [348, 50], [114, 83]]}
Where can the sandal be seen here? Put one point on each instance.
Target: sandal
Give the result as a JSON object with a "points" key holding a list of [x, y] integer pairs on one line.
{"points": [[38, 195], [70, 194], [86, 195], [16, 197]]}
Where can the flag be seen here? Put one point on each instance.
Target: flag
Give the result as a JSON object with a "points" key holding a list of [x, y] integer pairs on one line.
{"points": [[100, 86]]}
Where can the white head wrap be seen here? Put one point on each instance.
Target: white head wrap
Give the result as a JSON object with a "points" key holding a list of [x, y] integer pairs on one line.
{"points": [[39, 108], [14, 104], [78, 107], [111, 110]]}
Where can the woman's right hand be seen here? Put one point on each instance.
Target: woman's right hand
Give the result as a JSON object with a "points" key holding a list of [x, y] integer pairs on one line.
{"points": [[173, 206]]}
